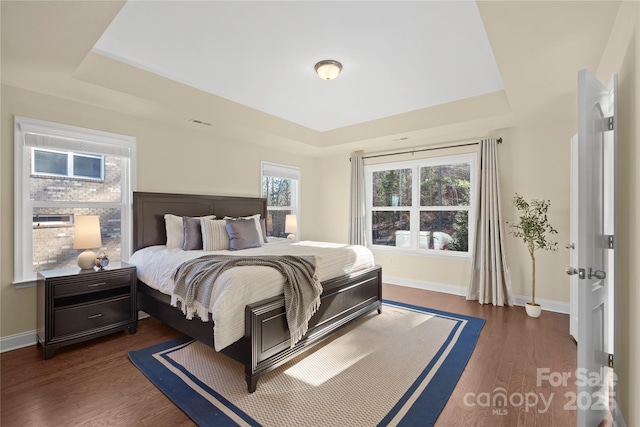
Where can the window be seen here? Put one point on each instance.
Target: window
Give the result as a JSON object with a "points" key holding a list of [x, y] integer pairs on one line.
{"points": [[63, 171], [422, 205], [280, 186], [67, 164]]}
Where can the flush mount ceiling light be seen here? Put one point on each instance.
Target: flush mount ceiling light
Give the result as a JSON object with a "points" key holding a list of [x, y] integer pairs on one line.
{"points": [[328, 69]]}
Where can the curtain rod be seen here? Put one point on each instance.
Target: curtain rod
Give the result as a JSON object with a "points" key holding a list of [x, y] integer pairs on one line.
{"points": [[499, 141]]}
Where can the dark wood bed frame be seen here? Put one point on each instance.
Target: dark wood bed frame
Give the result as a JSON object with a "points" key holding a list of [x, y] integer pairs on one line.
{"points": [[265, 344]]}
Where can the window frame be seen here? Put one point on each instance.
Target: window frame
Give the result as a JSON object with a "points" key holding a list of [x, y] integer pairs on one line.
{"points": [[415, 208], [46, 135], [278, 170], [70, 164]]}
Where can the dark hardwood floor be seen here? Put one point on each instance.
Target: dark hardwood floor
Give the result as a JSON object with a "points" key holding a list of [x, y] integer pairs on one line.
{"points": [[95, 384], [510, 350]]}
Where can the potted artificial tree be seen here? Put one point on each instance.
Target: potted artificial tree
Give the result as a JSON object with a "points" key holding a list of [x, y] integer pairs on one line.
{"points": [[533, 228]]}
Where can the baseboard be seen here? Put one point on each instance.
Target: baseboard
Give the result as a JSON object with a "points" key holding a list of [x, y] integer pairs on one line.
{"points": [[14, 342], [547, 305], [25, 339], [427, 286]]}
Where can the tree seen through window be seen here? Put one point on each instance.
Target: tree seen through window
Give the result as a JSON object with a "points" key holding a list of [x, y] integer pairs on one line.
{"points": [[437, 192]]}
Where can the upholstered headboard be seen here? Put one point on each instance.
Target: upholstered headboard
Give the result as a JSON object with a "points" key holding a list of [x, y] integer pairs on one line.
{"points": [[149, 210]]}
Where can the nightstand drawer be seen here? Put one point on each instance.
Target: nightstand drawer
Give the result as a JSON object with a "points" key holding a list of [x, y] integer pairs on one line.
{"points": [[77, 305], [89, 316], [96, 284]]}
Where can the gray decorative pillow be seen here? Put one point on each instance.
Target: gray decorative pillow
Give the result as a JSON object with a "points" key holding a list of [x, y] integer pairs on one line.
{"points": [[192, 234], [243, 234], [175, 230], [255, 217]]}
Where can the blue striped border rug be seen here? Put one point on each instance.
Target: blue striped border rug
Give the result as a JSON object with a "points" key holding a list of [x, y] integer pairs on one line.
{"points": [[394, 368]]}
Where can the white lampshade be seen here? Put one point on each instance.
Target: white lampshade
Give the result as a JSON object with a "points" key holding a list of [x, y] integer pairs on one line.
{"points": [[87, 236], [328, 69], [290, 224]]}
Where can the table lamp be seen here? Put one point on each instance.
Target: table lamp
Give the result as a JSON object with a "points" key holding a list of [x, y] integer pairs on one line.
{"points": [[87, 236], [291, 226]]}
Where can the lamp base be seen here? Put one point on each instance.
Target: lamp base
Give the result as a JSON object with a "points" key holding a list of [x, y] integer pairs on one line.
{"points": [[87, 260]]}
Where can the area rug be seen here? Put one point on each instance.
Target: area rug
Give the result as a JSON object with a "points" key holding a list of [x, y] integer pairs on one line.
{"points": [[394, 368]]}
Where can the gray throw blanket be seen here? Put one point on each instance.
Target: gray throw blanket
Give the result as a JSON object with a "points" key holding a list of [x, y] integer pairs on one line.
{"points": [[196, 278]]}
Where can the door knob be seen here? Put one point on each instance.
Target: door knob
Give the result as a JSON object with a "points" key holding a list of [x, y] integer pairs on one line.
{"points": [[571, 271], [598, 274]]}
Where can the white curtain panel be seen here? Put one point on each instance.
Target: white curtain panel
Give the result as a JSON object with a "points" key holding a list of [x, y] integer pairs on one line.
{"points": [[490, 281], [357, 226]]}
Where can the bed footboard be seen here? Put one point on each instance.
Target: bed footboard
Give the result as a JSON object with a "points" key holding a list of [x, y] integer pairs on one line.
{"points": [[267, 335], [265, 345]]}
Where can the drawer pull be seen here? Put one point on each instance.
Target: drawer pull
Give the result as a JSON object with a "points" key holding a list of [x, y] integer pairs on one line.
{"points": [[95, 285], [95, 316]]}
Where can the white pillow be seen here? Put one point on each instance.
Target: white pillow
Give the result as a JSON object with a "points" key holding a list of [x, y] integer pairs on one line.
{"points": [[214, 235], [175, 230], [256, 219]]}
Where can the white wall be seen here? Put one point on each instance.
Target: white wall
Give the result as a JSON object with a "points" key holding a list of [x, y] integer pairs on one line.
{"points": [[169, 159], [533, 161]]}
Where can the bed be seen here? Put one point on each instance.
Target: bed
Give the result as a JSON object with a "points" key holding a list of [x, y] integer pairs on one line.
{"points": [[265, 344]]}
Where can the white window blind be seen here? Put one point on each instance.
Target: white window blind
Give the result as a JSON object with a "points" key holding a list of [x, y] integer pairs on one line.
{"points": [[280, 171]]}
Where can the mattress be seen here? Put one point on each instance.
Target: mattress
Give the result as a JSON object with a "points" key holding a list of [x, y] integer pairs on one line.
{"points": [[237, 287]]}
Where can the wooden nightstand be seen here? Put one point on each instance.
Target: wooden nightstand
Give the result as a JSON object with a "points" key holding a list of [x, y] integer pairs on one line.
{"points": [[76, 305]]}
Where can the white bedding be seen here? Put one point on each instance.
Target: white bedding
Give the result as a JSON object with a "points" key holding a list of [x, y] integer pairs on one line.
{"points": [[238, 287]]}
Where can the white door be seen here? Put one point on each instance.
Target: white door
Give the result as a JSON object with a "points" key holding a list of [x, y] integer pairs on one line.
{"points": [[595, 197], [573, 299]]}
